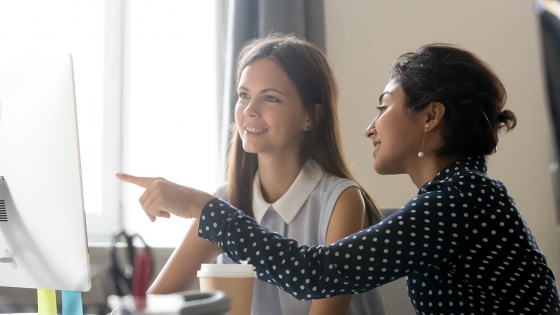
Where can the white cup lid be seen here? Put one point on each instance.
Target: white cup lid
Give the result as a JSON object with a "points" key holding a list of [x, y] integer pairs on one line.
{"points": [[227, 271]]}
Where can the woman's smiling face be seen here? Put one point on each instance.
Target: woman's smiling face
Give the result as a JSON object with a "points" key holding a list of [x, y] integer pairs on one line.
{"points": [[269, 113], [396, 134]]}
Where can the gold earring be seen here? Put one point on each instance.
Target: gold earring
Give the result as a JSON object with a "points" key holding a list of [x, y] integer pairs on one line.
{"points": [[421, 153]]}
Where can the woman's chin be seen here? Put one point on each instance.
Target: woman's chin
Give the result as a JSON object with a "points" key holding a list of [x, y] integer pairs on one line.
{"points": [[250, 148], [382, 168], [378, 167]]}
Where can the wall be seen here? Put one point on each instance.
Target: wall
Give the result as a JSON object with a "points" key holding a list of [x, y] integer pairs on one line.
{"points": [[364, 37]]}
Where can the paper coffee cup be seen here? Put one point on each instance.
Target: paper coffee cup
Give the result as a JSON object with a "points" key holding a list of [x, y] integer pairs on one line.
{"points": [[235, 280]]}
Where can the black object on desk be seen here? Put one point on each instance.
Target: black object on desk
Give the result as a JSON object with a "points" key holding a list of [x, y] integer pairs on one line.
{"points": [[122, 273], [205, 303]]}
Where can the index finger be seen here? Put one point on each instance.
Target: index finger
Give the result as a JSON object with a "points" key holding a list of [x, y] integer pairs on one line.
{"points": [[144, 182]]}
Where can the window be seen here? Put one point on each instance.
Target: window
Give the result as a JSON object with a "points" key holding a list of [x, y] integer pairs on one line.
{"points": [[145, 90], [34, 29], [169, 112]]}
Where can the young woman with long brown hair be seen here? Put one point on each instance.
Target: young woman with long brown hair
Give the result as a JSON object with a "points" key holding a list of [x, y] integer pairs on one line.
{"points": [[286, 170]]}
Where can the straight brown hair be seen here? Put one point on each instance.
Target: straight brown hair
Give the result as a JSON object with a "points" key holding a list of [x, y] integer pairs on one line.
{"points": [[311, 73]]}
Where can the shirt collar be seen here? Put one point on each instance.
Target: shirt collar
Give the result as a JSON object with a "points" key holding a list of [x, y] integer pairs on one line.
{"points": [[289, 204], [477, 164]]}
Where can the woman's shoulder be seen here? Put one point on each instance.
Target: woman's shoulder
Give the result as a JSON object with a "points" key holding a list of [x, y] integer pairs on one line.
{"points": [[469, 187], [332, 180], [332, 185], [330, 188]]}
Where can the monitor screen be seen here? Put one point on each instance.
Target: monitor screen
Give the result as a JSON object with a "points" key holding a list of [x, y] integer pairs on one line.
{"points": [[42, 218]]}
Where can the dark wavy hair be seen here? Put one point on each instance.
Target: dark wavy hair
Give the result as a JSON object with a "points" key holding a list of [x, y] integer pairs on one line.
{"points": [[473, 96]]}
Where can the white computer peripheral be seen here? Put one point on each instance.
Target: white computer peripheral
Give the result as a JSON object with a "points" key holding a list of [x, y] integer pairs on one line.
{"points": [[43, 242]]}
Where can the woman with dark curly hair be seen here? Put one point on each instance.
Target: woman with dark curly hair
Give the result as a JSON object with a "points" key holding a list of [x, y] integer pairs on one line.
{"points": [[461, 242]]}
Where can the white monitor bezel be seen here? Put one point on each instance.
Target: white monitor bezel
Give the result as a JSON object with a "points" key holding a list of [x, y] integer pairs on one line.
{"points": [[40, 162]]}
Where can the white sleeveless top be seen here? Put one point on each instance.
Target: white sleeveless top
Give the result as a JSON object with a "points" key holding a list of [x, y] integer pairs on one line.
{"points": [[302, 213]]}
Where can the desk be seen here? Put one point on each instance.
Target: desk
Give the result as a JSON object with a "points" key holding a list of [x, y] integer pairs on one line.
{"points": [[170, 304]]}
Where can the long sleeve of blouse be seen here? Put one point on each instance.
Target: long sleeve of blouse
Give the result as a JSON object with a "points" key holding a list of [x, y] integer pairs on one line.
{"points": [[461, 242]]}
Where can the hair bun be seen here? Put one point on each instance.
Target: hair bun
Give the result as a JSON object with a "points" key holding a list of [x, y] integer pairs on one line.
{"points": [[507, 120]]}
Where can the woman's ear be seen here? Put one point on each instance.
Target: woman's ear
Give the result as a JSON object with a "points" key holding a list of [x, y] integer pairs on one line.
{"points": [[314, 117], [434, 113]]}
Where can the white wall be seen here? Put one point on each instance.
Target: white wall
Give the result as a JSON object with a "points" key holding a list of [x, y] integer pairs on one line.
{"points": [[363, 39]]}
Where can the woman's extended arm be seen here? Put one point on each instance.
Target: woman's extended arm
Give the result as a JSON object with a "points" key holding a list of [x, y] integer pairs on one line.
{"points": [[160, 199], [402, 243], [348, 217], [179, 273], [418, 235]]}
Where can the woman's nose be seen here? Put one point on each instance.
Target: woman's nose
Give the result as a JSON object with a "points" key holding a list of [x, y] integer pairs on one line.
{"points": [[250, 109], [370, 130]]}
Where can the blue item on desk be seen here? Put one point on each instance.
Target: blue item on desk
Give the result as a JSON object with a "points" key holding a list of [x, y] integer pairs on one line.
{"points": [[72, 303]]}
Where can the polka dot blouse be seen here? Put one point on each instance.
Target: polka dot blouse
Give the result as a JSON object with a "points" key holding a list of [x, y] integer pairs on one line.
{"points": [[461, 242]]}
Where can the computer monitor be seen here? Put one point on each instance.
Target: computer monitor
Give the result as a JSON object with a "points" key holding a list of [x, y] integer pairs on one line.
{"points": [[42, 218]]}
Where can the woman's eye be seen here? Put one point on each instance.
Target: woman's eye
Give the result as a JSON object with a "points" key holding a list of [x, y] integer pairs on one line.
{"points": [[271, 99], [381, 108], [243, 95]]}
